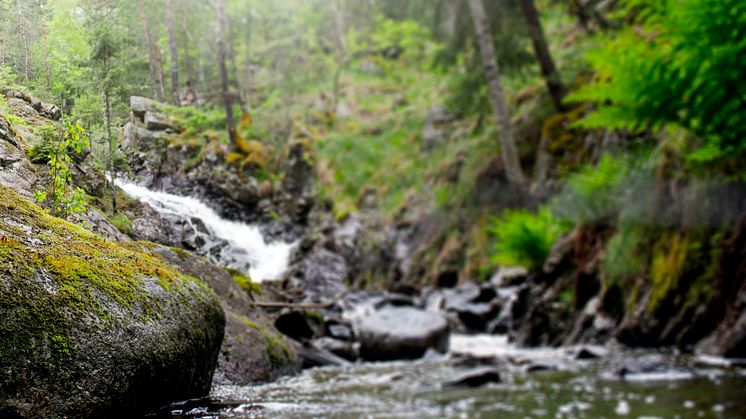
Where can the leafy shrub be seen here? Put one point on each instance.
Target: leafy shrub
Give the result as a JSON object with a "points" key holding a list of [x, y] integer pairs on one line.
{"points": [[594, 192], [524, 238], [624, 254], [683, 67], [41, 150]]}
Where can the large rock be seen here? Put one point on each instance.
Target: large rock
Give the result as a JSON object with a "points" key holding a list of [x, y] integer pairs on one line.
{"points": [[402, 333], [253, 349], [141, 105], [92, 328]]}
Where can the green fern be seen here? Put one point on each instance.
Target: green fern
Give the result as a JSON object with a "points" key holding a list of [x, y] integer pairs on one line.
{"points": [[683, 67]]}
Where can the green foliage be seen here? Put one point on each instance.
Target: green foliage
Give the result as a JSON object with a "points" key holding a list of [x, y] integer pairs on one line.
{"points": [[121, 222], [525, 238], [67, 198], [683, 67], [593, 192], [624, 254], [246, 283], [41, 150]]}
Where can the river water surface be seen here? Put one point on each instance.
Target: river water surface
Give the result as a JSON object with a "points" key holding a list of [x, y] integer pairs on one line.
{"points": [[686, 387]]}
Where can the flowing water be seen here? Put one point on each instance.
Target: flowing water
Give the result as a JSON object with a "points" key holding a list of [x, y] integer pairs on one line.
{"points": [[686, 387], [240, 246], [559, 387]]}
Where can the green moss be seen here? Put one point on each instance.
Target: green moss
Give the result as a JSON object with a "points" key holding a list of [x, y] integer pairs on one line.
{"points": [[277, 350], [246, 283], [122, 223], [60, 273], [668, 266]]}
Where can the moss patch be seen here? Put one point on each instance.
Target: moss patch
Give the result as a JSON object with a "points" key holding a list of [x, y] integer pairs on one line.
{"points": [[277, 350], [56, 273]]}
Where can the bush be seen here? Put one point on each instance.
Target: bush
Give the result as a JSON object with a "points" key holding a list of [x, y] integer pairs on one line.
{"points": [[593, 193], [45, 146], [524, 238], [624, 256]]}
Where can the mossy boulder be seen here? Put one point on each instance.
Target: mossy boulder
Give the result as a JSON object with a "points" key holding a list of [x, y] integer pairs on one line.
{"points": [[93, 328], [253, 349]]}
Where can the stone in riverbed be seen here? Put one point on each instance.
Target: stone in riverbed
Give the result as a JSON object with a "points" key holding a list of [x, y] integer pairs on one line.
{"points": [[402, 333], [476, 378]]}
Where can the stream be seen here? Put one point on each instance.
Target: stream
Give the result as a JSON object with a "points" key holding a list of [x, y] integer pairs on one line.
{"points": [[680, 387], [533, 383], [227, 243]]}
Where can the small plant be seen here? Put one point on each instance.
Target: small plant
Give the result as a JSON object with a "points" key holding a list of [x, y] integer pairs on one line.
{"points": [[524, 238], [624, 256], [593, 193], [67, 199]]}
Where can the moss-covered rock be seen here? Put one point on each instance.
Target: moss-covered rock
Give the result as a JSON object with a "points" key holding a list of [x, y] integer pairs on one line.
{"points": [[253, 349], [93, 328]]}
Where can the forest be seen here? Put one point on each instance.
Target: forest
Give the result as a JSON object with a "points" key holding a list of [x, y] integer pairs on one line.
{"points": [[247, 208]]}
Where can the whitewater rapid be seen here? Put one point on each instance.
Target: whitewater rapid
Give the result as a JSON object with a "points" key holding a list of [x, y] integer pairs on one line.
{"points": [[267, 261]]}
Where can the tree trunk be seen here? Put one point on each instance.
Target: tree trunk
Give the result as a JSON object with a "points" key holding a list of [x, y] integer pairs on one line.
{"points": [[46, 61], [339, 28], [159, 71], [549, 71], [232, 66], [174, 53], [509, 151], [187, 39], [219, 36], [110, 160], [149, 47]]}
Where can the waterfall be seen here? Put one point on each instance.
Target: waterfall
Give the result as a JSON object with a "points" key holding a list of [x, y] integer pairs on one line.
{"points": [[241, 245]]}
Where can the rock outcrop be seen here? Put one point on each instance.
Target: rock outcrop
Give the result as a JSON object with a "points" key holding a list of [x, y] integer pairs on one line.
{"points": [[92, 328]]}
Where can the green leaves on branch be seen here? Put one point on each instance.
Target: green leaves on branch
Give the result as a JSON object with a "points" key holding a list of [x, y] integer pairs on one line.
{"points": [[683, 67], [67, 198]]}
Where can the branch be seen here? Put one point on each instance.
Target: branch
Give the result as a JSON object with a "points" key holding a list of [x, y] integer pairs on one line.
{"points": [[304, 306]]}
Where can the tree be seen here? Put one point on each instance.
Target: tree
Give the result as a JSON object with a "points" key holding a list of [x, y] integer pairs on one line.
{"points": [[508, 149], [544, 57], [174, 53], [219, 7], [152, 66], [105, 50]]}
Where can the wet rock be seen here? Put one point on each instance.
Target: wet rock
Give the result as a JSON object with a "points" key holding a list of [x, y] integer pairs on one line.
{"points": [[297, 185], [395, 300], [311, 355], [294, 325], [476, 316], [344, 349], [509, 276], [476, 378], [132, 337], [588, 352], [253, 350], [338, 330], [644, 364], [402, 333]]}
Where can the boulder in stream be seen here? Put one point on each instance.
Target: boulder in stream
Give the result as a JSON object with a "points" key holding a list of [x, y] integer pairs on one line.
{"points": [[93, 328], [402, 333]]}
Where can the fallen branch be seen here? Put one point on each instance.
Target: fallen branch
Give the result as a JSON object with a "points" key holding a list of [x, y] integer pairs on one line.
{"points": [[303, 306]]}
